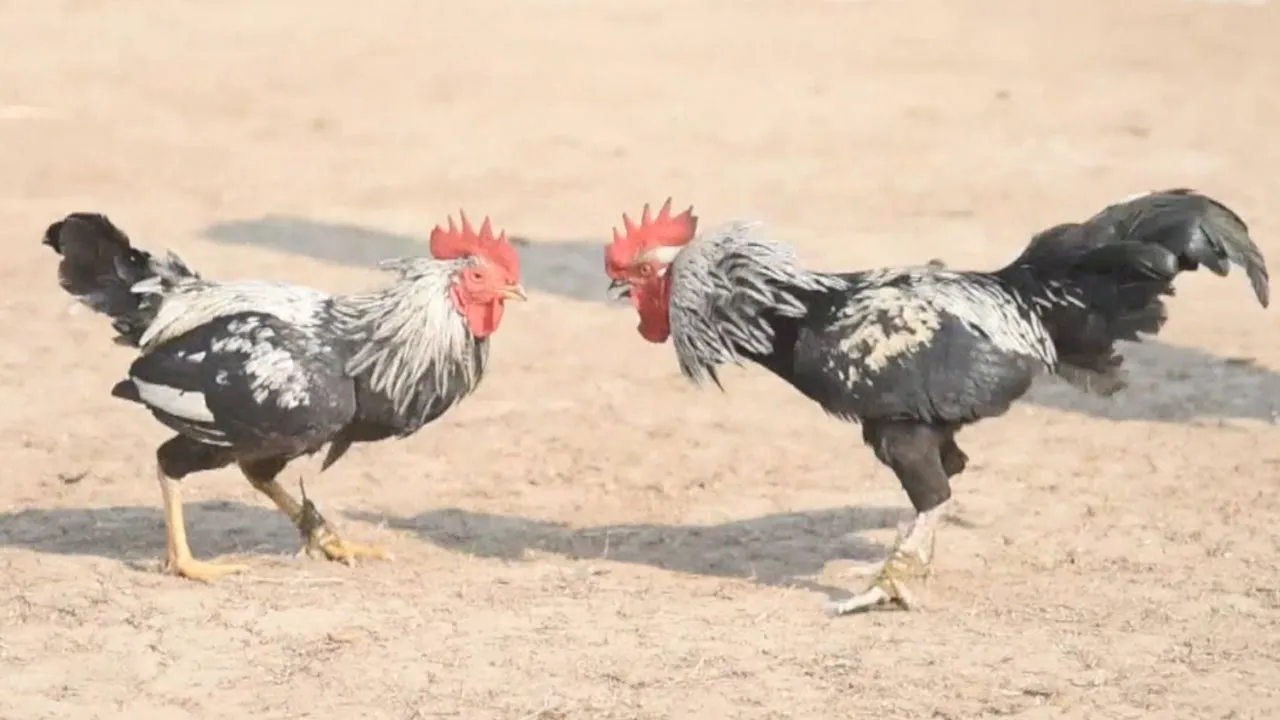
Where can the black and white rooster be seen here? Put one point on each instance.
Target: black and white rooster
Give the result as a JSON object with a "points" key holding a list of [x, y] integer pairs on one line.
{"points": [[259, 373], [914, 354]]}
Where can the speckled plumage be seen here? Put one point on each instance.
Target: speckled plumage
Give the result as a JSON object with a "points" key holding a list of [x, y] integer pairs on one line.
{"points": [[250, 382], [281, 351], [915, 354], [259, 373], [870, 345], [940, 346], [936, 346], [269, 370]]}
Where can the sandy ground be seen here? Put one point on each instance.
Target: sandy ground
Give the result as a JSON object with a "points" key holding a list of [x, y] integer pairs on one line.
{"points": [[589, 537]]}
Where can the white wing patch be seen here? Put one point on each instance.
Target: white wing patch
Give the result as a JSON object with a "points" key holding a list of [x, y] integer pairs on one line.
{"points": [[186, 404], [883, 323], [271, 370], [993, 311]]}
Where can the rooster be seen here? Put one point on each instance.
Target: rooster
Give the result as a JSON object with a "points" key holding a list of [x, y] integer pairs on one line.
{"points": [[258, 374], [915, 354]]}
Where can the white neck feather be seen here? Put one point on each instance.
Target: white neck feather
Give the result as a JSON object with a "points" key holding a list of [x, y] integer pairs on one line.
{"points": [[723, 285], [411, 331]]}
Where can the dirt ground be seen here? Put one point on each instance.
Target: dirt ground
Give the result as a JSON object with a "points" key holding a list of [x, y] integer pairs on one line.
{"points": [[589, 536]]}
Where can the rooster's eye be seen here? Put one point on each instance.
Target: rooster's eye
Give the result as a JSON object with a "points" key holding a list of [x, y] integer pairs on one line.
{"points": [[645, 270]]}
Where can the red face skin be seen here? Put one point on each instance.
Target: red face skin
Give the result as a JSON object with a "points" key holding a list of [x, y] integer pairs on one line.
{"points": [[651, 295], [479, 292]]}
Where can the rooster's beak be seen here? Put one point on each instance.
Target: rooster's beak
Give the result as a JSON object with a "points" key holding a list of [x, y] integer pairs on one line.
{"points": [[619, 289], [514, 292]]}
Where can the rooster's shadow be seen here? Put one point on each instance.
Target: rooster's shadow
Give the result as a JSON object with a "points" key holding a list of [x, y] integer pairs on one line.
{"points": [[783, 550], [1168, 383], [572, 269], [135, 534], [1173, 384]]}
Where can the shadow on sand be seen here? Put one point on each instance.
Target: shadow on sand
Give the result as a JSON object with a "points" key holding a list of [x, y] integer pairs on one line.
{"points": [[135, 534], [1173, 384], [572, 269], [779, 550], [784, 549], [1170, 383]]}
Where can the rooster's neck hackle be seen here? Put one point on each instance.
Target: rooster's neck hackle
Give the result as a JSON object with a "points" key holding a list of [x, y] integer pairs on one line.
{"points": [[725, 285], [411, 331]]}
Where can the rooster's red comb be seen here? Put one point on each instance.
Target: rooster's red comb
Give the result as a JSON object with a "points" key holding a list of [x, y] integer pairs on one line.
{"points": [[665, 229], [455, 242]]}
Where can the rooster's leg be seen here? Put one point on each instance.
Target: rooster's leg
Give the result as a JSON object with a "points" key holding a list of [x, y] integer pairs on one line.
{"points": [[924, 458], [174, 462], [175, 459], [954, 460], [316, 532], [322, 538], [262, 475], [909, 560]]}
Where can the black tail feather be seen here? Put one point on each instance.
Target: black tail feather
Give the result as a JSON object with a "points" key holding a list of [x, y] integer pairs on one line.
{"points": [[1090, 298], [99, 267], [1130, 260], [1104, 280], [98, 263], [126, 390], [1194, 229]]}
